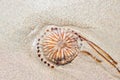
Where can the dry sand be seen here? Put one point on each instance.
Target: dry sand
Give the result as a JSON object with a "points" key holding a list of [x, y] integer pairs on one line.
{"points": [[21, 20]]}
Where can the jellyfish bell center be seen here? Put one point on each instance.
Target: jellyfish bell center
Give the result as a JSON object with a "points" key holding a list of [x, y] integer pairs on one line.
{"points": [[61, 44]]}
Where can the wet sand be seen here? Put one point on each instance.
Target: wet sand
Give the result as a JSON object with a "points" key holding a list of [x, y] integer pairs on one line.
{"points": [[20, 22]]}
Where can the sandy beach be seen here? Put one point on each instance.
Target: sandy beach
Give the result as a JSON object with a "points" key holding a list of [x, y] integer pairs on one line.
{"points": [[22, 20]]}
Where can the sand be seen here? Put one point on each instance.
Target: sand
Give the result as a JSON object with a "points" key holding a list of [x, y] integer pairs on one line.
{"points": [[21, 20]]}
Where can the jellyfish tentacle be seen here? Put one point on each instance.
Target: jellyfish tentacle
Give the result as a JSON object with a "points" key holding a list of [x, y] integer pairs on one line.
{"points": [[102, 53], [89, 54]]}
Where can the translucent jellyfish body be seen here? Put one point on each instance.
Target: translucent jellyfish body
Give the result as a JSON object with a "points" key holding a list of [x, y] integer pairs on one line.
{"points": [[58, 45]]}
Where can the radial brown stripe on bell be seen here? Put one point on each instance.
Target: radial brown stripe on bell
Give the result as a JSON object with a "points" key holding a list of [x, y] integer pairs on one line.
{"points": [[58, 45]]}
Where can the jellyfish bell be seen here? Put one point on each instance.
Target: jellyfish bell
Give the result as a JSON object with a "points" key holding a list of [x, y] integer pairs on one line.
{"points": [[59, 45]]}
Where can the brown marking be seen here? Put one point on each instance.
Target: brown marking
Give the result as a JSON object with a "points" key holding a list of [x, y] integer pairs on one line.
{"points": [[37, 43], [52, 66], [38, 47], [47, 30], [38, 39], [41, 59], [38, 51], [39, 55], [48, 64], [55, 28], [45, 62], [76, 33]]}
